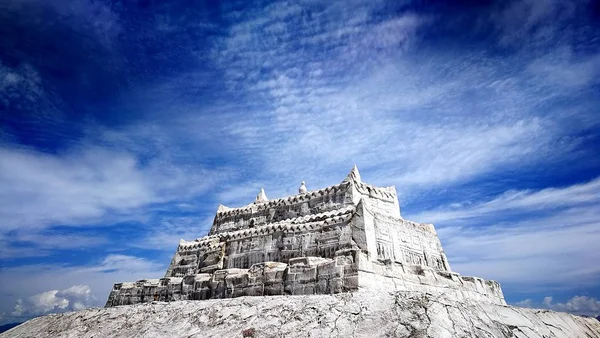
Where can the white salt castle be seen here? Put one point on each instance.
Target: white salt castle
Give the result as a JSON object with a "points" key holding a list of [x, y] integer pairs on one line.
{"points": [[342, 238]]}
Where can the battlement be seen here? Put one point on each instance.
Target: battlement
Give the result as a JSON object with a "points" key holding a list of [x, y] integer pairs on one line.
{"points": [[263, 211], [336, 239], [302, 223], [257, 214]]}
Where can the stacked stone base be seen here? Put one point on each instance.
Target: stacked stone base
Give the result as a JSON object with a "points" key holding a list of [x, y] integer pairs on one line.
{"points": [[300, 276], [349, 270]]}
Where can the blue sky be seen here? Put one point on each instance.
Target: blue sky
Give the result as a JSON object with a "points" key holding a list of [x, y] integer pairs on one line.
{"points": [[123, 125]]}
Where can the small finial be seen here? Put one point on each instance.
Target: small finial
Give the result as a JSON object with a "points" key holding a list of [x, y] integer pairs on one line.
{"points": [[353, 175], [222, 208], [302, 189], [261, 197]]}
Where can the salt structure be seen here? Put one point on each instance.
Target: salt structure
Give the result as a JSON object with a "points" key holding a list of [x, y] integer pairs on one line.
{"points": [[342, 238]]}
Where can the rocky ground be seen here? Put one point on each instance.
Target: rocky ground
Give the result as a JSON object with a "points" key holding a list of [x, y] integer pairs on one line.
{"points": [[361, 314]]}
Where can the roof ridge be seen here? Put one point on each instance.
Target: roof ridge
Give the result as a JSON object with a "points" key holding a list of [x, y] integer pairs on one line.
{"points": [[288, 198], [290, 223]]}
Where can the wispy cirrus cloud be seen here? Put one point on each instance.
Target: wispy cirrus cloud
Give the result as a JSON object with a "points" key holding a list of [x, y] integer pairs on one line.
{"points": [[518, 201], [442, 118], [530, 241], [537, 22], [546, 254], [561, 68], [211, 104], [28, 243], [170, 230]]}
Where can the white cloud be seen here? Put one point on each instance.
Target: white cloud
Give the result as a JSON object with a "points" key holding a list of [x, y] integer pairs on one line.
{"points": [[124, 176], [525, 303], [25, 288], [531, 255], [369, 124], [75, 298], [25, 78], [360, 98], [584, 305], [87, 186], [581, 305]]}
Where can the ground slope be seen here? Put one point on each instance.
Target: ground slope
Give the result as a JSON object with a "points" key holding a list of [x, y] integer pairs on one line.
{"points": [[361, 314]]}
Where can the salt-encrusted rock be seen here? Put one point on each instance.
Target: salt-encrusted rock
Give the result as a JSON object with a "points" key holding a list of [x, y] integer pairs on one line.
{"points": [[356, 314]]}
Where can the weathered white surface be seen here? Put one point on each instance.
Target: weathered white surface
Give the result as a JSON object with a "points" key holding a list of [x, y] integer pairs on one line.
{"points": [[358, 314], [354, 228]]}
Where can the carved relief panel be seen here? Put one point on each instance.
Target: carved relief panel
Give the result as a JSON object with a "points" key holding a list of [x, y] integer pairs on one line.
{"points": [[384, 250]]}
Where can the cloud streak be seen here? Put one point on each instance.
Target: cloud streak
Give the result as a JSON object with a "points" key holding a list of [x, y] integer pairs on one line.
{"points": [[528, 240], [524, 201], [87, 186]]}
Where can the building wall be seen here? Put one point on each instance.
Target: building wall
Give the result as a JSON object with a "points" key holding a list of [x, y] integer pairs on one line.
{"points": [[374, 226], [387, 237], [241, 252], [326, 241]]}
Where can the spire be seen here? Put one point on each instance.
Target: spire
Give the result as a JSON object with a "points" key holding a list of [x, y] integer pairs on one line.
{"points": [[302, 188], [261, 197], [353, 175], [222, 208]]}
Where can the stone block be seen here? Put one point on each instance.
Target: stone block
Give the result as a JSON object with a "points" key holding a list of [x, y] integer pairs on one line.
{"points": [[350, 283], [256, 271], [237, 292], [336, 285], [322, 287], [329, 270], [254, 290], [237, 280], [273, 289], [302, 289], [306, 275], [290, 277], [274, 271], [205, 293]]}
